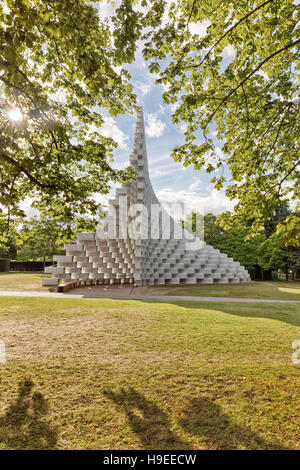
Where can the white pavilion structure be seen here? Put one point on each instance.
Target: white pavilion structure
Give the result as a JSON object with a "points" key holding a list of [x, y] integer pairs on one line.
{"points": [[139, 243]]}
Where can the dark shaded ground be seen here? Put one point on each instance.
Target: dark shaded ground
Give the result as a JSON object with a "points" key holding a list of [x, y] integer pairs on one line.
{"points": [[24, 424], [201, 417]]}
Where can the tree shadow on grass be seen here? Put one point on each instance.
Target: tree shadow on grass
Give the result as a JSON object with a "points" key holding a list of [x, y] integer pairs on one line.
{"points": [[282, 312], [149, 422], [203, 417], [23, 426]]}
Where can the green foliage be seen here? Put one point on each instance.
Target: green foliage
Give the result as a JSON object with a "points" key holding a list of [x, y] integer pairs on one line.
{"points": [[40, 239], [240, 78], [271, 254], [265, 250], [236, 245], [45, 236], [57, 68], [289, 230], [293, 259], [8, 238], [279, 215], [213, 233], [233, 242], [4, 265]]}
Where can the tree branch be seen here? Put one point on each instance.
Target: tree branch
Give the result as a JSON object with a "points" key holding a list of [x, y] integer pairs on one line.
{"points": [[15, 87], [288, 46], [17, 165], [231, 29]]}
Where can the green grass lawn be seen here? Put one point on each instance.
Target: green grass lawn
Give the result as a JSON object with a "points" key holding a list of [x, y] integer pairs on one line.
{"points": [[23, 281], [112, 374], [279, 290]]}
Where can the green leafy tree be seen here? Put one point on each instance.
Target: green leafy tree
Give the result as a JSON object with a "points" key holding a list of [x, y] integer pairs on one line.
{"points": [[235, 242], [264, 250], [279, 215], [293, 261], [41, 239], [10, 242], [271, 254], [240, 80], [289, 230], [240, 248], [8, 249], [58, 73], [213, 234]]}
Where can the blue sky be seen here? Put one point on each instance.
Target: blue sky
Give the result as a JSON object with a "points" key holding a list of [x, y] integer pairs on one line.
{"points": [[171, 181]]}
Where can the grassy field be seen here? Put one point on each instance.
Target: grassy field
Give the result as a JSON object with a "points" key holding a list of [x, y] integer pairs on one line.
{"points": [[279, 290], [23, 281], [111, 374]]}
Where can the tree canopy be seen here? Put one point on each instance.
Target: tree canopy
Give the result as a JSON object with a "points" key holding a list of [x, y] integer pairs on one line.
{"points": [[58, 72], [45, 235], [233, 68], [265, 250]]}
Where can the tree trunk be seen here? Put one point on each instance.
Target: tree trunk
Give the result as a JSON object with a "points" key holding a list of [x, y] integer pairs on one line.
{"points": [[286, 273]]}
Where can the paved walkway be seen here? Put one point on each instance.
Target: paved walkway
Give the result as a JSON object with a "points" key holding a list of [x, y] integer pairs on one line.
{"points": [[130, 293]]}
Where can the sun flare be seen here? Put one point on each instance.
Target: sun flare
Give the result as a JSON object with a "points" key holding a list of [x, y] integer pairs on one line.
{"points": [[15, 114]]}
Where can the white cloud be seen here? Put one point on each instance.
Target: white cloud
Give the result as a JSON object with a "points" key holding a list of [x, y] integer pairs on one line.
{"points": [[263, 74], [155, 127], [212, 157], [199, 28], [211, 201], [110, 129], [27, 208], [173, 106], [228, 51], [163, 165], [106, 9], [6, 10], [143, 88], [162, 172], [183, 128]]}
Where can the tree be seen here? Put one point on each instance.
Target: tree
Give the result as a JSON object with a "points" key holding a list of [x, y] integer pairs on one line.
{"points": [[279, 215], [237, 246], [58, 73], [41, 239], [271, 255], [250, 99], [289, 230], [264, 250], [233, 242], [213, 233], [293, 261], [44, 236], [9, 248]]}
